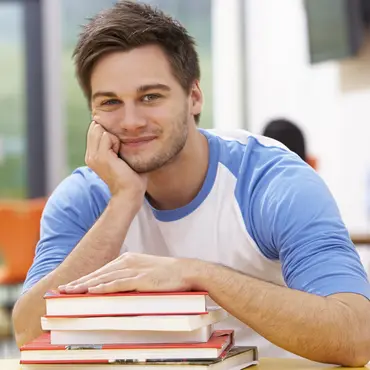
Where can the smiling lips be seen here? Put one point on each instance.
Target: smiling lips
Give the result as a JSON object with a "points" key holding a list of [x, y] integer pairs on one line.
{"points": [[138, 141]]}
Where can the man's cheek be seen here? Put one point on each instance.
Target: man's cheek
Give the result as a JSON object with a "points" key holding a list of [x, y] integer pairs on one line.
{"points": [[110, 120]]}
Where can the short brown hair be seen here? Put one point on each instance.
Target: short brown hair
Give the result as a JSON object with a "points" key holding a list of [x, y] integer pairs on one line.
{"points": [[128, 25]]}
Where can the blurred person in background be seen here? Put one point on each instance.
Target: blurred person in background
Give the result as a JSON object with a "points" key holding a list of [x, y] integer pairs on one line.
{"points": [[289, 134], [166, 206]]}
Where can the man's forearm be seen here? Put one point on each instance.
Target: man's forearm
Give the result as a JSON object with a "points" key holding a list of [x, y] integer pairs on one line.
{"points": [[317, 328], [99, 246]]}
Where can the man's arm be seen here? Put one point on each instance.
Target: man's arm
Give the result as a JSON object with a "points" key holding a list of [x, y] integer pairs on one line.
{"points": [[99, 246], [333, 329], [292, 218], [68, 227]]}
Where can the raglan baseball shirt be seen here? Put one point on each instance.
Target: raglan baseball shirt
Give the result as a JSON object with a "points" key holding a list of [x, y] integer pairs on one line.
{"points": [[261, 210]]}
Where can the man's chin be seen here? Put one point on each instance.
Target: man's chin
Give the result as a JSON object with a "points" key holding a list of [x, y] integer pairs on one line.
{"points": [[141, 167]]}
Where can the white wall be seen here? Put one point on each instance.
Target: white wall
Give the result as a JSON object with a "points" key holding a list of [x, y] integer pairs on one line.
{"points": [[227, 51], [281, 82]]}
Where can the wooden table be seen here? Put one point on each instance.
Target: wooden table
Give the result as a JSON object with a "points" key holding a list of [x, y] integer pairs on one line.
{"points": [[265, 364]]}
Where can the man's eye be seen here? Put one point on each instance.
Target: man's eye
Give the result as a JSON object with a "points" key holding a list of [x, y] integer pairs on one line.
{"points": [[111, 102], [150, 97]]}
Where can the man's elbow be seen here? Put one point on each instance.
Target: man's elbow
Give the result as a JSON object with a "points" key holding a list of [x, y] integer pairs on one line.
{"points": [[354, 350], [20, 339], [17, 327], [21, 324], [358, 348], [361, 352], [354, 360], [357, 353]]}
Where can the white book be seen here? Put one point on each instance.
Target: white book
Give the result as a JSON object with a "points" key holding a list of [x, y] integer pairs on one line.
{"points": [[95, 337], [140, 323], [133, 329], [127, 303]]}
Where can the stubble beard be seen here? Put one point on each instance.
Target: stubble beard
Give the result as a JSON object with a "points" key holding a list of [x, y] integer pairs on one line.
{"points": [[166, 154]]}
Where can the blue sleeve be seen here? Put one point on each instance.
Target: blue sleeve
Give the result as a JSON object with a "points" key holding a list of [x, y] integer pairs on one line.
{"points": [[69, 213], [293, 217]]}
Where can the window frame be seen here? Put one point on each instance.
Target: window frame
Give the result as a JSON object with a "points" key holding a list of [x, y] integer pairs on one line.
{"points": [[34, 93]]}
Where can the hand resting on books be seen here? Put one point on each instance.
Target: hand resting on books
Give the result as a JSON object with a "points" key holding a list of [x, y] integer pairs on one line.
{"points": [[135, 272]]}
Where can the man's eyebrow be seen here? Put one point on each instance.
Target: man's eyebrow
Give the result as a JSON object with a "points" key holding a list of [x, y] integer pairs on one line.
{"points": [[141, 89], [145, 88], [106, 94]]}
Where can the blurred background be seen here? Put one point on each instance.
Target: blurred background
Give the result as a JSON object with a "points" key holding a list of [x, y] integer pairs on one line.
{"points": [[303, 62]]}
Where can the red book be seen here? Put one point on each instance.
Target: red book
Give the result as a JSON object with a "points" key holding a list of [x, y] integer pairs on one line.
{"points": [[128, 303], [42, 352], [234, 358]]}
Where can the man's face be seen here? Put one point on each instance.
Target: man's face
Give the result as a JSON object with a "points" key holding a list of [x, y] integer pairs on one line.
{"points": [[137, 99]]}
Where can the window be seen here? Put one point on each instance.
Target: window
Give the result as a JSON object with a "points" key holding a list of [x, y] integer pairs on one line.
{"points": [[12, 102], [75, 14]]}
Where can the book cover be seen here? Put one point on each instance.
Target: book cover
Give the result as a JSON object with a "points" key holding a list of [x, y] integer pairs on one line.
{"points": [[245, 355], [54, 294], [42, 343], [128, 303], [42, 351]]}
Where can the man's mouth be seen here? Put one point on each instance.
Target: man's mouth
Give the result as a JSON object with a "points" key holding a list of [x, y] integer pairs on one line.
{"points": [[137, 141]]}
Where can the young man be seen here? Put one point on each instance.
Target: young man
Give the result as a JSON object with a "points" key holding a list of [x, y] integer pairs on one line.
{"points": [[163, 205]]}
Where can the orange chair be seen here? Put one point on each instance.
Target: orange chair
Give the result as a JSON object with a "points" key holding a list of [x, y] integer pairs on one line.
{"points": [[19, 233]]}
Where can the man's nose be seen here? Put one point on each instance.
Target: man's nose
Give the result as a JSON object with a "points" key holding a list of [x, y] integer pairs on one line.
{"points": [[132, 119]]}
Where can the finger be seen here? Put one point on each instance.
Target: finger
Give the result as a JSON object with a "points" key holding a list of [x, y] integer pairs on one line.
{"points": [[98, 121], [94, 136], [108, 143], [102, 279], [122, 285], [89, 133], [61, 288], [103, 270], [79, 289], [114, 265], [81, 280]]}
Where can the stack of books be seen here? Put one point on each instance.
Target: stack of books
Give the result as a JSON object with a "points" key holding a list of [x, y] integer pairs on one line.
{"points": [[134, 331]]}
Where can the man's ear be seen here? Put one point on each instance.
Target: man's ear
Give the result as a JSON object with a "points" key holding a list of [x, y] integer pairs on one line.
{"points": [[196, 96]]}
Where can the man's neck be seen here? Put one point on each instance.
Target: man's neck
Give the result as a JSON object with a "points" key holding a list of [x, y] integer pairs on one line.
{"points": [[178, 183]]}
